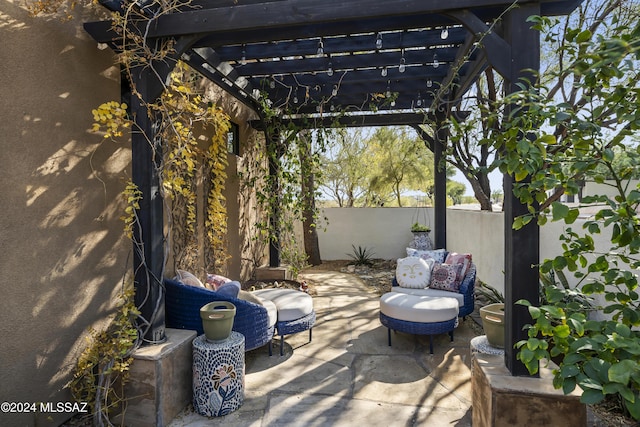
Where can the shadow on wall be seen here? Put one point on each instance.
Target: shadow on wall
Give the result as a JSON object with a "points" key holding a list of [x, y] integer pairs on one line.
{"points": [[63, 250]]}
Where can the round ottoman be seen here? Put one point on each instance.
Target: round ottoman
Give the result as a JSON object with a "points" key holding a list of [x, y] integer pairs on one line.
{"points": [[295, 311], [420, 315]]}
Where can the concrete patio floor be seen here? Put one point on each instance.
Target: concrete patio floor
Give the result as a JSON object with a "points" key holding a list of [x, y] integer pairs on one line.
{"points": [[348, 375]]}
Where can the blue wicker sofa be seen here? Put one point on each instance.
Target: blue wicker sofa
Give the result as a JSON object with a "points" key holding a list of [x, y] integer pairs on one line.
{"points": [[465, 294], [182, 310]]}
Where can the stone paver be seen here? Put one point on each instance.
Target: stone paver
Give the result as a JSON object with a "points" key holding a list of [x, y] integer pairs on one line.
{"points": [[348, 375]]}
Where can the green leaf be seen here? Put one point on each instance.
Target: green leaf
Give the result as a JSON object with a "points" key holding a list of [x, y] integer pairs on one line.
{"points": [[559, 211], [583, 36], [633, 407], [572, 215], [591, 397], [562, 331], [621, 372]]}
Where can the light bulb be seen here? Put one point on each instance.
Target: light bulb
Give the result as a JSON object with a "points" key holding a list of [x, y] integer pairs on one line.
{"points": [[272, 84], [402, 67], [419, 101], [243, 59], [320, 48], [436, 63], [334, 92], [429, 83], [332, 108], [393, 103], [295, 99], [379, 41], [330, 70], [383, 73], [444, 34]]}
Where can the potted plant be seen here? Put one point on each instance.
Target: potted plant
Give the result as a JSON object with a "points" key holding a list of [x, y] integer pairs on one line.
{"points": [[420, 228], [421, 238]]}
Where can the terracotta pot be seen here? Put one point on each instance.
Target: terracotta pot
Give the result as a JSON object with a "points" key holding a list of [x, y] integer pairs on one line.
{"points": [[217, 320]]}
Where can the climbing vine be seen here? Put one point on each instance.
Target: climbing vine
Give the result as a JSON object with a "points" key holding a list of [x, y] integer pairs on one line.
{"points": [[103, 366]]}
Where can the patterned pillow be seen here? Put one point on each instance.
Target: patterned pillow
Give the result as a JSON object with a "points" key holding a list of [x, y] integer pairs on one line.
{"points": [[443, 277], [214, 281], [187, 278], [413, 272], [463, 259], [437, 255]]}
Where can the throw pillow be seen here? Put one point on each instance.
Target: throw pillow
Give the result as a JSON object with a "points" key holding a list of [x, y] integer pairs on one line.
{"points": [[438, 255], [443, 277], [412, 272], [229, 289], [214, 281], [463, 259], [188, 279]]}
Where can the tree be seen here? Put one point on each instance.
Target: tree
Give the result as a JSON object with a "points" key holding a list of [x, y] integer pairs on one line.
{"points": [[308, 191], [399, 163], [468, 150], [456, 190], [344, 172], [549, 146], [472, 148]]}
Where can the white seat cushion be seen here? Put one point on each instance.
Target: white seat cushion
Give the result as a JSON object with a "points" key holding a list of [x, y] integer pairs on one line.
{"points": [[430, 293], [272, 312], [291, 304], [420, 309]]}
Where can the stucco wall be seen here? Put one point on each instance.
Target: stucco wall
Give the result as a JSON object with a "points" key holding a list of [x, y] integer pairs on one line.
{"points": [[63, 256]]}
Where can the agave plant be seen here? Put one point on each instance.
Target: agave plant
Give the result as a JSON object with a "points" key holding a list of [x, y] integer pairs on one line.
{"points": [[361, 256]]}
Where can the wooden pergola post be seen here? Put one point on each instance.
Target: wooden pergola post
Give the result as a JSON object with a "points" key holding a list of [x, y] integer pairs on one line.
{"points": [[522, 247], [273, 147], [148, 232], [440, 181]]}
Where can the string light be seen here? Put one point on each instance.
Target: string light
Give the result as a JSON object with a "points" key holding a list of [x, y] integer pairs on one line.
{"points": [[436, 63], [444, 34], [243, 59], [419, 100], [334, 92], [402, 67], [379, 41], [429, 83], [388, 92], [272, 84], [320, 50], [330, 69], [383, 73]]}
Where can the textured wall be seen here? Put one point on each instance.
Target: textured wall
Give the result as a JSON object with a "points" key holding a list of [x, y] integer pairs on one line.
{"points": [[63, 256]]}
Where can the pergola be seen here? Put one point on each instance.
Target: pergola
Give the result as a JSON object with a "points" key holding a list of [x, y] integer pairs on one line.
{"points": [[357, 62]]}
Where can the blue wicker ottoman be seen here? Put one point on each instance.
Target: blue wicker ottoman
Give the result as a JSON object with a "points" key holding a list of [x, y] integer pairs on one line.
{"points": [[295, 311], [419, 315]]}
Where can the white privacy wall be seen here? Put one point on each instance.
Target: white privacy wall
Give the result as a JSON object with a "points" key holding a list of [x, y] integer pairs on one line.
{"points": [[385, 232]]}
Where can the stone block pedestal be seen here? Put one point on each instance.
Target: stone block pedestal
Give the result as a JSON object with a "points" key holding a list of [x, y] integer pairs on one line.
{"points": [[500, 399], [273, 273], [160, 381]]}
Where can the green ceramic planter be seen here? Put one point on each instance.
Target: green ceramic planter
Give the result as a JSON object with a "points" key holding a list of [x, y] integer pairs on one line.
{"points": [[492, 317], [217, 320]]}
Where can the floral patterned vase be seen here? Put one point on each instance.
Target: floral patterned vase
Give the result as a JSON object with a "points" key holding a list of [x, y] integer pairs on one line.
{"points": [[421, 241]]}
